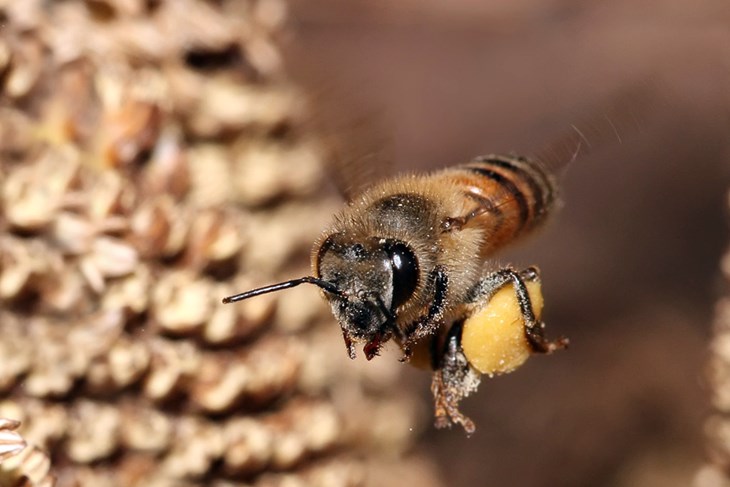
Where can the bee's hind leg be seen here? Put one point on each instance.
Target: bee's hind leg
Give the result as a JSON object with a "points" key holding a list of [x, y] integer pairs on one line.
{"points": [[453, 380], [534, 329]]}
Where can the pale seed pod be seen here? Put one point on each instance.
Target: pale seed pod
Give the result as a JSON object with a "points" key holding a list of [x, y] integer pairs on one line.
{"points": [[198, 444], [25, 67], [43, 425], [22, 266], [159, 229], [16, 353], [249, 446], [107, 197], [125, 364], [167, 172], [11, 443], [265, 171], [181, 302], [113, 257], [91, 440], [73, 233], [130, 130], [31, 466], [130, 293], [241, 322], [146, 430], [34, 194], [215, 239], [174, 365]]}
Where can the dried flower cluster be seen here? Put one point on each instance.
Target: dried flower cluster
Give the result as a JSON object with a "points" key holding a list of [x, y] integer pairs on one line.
{"points": [[151, 162]]}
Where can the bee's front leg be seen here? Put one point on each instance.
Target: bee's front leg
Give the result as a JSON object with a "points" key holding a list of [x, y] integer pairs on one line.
{"points": [[534, 329], [427, 325]]}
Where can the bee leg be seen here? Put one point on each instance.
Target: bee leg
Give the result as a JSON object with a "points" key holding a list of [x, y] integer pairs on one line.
{"points": [[453, 380], [484, 205], [349, 346], [534, 329], [451, 223], [428, 324]]}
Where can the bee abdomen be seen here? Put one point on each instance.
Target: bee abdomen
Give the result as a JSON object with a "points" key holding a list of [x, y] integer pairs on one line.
{"points": [[519, 192]]}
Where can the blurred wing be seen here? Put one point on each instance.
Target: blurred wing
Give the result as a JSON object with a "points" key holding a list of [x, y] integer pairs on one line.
{"points": [[614, 121], [358, 155], [353, 133]]}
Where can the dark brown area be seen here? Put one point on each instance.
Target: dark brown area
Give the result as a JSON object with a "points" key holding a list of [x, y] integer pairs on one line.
{"points": [[630, 262]]}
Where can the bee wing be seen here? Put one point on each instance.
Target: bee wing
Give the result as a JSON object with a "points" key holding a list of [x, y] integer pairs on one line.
{"points": [[614, 121], [531, 181], [351, 131], [358, 155]]}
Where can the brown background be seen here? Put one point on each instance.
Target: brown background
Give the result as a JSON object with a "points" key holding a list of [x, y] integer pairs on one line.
{"points": [[629, 264]]}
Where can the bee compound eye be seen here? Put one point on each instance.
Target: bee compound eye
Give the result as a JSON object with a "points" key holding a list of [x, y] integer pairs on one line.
{"points": [[405, 272]]}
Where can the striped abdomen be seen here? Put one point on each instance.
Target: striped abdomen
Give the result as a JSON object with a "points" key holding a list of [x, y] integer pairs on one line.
{"points": [[511, 196]]}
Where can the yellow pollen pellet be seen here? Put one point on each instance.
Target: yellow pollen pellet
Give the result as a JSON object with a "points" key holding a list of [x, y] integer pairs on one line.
{"points": [[493, 337]]}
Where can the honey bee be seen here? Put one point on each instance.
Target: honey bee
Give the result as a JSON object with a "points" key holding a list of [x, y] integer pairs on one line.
{"points": [[407, 260]]}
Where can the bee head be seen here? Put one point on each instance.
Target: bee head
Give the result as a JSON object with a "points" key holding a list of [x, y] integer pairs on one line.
{"points": [[374, 278], [365, 283]]}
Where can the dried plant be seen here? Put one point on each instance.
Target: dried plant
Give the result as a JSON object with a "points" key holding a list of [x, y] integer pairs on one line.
{"points": [[152, 161]]}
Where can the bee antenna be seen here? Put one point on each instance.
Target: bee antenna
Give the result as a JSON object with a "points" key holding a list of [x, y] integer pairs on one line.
{"points": [[326, 285]]}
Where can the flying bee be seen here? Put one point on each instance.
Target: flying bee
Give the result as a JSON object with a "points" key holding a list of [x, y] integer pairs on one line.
{"points": [[407, 260]]}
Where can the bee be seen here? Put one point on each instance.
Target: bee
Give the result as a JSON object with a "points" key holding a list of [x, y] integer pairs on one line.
{"points": [[405, 261], [408, 260]]}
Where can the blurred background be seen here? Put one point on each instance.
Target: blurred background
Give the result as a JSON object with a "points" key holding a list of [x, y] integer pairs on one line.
{"points": [[629, 263]]}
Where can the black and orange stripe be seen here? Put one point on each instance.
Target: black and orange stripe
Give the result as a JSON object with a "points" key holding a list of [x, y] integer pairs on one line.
{"points": [[513, 195]]}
